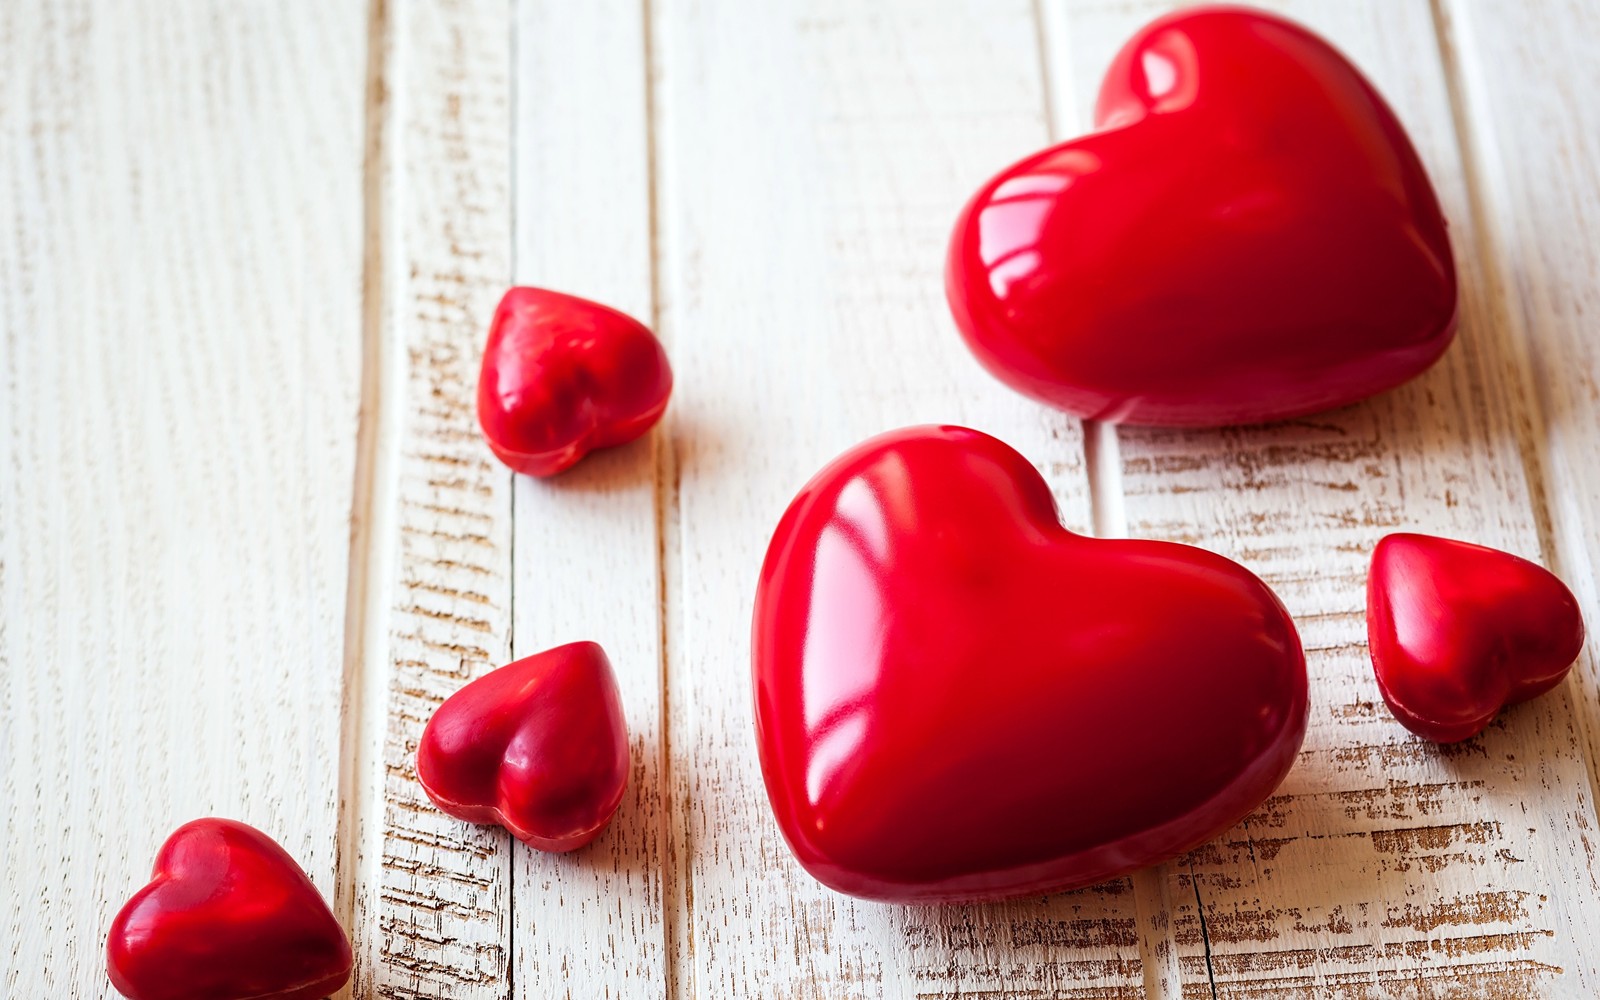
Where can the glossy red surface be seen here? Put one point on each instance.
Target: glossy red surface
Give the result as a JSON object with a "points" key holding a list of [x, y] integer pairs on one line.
{"points": [[957, 698], [1457, 631], [538, 746], [1248, 236], [227, 915], [563, 376]]}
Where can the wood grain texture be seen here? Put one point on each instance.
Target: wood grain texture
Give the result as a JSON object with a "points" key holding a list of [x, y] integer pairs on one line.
{"points": [[812, 159], [1526, 78], [587, 552], [179, 371], [1385, 866], [433, 902]]}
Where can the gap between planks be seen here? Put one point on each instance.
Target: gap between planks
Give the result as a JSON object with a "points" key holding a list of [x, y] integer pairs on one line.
{"points": [[513, 190], [372, 520], [676, 895]]}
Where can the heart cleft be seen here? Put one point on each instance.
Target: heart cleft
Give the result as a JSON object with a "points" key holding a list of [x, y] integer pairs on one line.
{"points": [[956, 698], [1249, 236]]}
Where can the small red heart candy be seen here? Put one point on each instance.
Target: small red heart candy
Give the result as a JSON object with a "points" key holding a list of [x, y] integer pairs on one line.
{"points": [[563, 376], [227, 915], [538, 746], [957, 698], [1249, 236], [1458, 631]]}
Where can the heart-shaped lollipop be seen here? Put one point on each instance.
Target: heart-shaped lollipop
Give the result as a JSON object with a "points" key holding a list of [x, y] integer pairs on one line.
{"points": [[957, 698], [563, 376], [1248, 236], [538, 746], [227, 915], [1458, 631]]}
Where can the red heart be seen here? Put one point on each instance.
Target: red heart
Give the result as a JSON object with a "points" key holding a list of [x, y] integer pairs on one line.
{"points": [[538, 746], [563, 376], [227, 915], [1458, 631], [1249, 236], [957, 698]]}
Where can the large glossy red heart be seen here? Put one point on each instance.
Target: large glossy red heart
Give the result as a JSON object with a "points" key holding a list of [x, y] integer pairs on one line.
{"points": [[538, 746], [1458, 631], [957, 698], [227, 915], [563, 376], [1248, 236]]}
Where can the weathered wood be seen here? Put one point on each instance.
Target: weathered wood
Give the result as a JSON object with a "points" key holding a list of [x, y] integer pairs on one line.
{"points": [[434, 908], [180, 348], [1385, 866], [587, 551]]}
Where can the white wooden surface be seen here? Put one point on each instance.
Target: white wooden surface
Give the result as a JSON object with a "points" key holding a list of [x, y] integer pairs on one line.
{"points": [[225, 228], [180, 356]]}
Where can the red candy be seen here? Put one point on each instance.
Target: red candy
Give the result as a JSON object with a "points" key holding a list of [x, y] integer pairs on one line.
{"points": [[563, 376], [227, 915], [538, 746], [1458, 631], [1249, 236], [957, 698]]}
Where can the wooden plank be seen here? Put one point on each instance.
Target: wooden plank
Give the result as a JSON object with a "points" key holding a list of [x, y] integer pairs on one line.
{"points": [[1525, 75], [812, 162], [433, 901], [180, 340], [1385, 867], [587, 547]]}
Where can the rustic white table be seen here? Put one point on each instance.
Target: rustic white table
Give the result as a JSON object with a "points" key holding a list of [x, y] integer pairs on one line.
{"points": [[249, 536]]}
